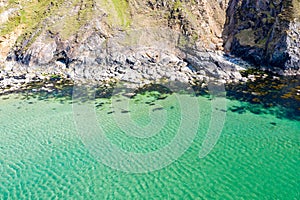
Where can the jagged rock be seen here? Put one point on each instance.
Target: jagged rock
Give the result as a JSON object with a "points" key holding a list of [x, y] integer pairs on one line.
{"points": [[264, 32]]}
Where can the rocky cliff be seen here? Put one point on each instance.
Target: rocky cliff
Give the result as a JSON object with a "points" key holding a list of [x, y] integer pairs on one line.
{"points": [[111, 37], [103, 39], [265, 32], [40, 23]]}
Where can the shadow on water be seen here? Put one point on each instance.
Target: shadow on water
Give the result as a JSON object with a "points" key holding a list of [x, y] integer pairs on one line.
{"points": [[267, 94], [273, 94], [64, 93]]}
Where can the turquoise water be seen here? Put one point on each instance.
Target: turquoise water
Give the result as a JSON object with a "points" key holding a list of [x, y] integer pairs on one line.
{"points": [[44, 156]]}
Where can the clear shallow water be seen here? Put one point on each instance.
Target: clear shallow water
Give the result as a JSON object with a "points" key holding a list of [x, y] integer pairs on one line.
{"points": [[42, 155]]}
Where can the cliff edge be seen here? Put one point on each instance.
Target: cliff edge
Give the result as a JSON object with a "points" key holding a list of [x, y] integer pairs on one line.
{"points": [[265, 32]]}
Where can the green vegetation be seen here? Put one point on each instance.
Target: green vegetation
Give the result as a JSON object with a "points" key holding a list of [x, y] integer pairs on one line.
{"points": [[61, 17], [10, 26], [72, 22], [251, 71], [177, 5], [119, 12], [55, 77], [122, 8], [29, 18], [31, 14]]}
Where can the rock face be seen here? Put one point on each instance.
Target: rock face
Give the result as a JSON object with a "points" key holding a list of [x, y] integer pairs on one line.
{"points": [[132, 40], [264, 32], [199, 22], [101, 39]]}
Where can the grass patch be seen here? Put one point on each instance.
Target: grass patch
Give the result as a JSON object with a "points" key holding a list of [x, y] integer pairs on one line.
{"points": [[72, 22], [122, 9], [177, 5], [118, 12], [31, 14], [10, 25]]}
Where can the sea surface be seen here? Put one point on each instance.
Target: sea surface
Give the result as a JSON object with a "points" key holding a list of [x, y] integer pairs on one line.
{"points": [[48, 152]]}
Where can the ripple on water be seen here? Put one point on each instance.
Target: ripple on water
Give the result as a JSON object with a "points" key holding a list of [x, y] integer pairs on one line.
{"points": [[42, 156]]}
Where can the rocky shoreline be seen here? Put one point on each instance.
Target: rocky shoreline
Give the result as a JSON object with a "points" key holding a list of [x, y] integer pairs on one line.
{"points": [[152, 41], [136, 70], [148, 68], [143, 67], [146, 41]]}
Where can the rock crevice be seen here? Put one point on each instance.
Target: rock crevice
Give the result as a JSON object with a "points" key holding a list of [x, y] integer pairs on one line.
{"points": [[264, 32]]}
